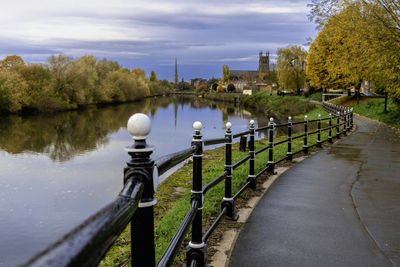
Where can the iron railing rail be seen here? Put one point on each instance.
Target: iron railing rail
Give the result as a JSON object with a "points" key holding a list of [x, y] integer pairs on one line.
{"points": [[88, 243]]}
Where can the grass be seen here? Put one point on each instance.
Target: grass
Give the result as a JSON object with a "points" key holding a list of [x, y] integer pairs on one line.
{"points": [[276, 105], [173, 204], [373, 108]]}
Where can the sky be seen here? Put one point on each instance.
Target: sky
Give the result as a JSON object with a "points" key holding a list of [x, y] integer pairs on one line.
{"points": [[149, 34]]}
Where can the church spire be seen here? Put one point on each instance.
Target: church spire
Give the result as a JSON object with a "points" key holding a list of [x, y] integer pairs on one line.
{"points": [[176, 72]]}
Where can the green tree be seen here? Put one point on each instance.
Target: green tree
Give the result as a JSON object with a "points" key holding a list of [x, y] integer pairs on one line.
{"points": [[231, 88], [82, 81], [59, 67], [13, 91], [225, 73], [153, 76], [271, 77], [291, 67]]}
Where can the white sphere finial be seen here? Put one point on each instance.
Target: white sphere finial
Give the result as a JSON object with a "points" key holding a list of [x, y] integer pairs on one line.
{"points": [[319, 116], [228, 125], [197, 126], [252, 122], [271, 119], [290, 118], [139, 126]]}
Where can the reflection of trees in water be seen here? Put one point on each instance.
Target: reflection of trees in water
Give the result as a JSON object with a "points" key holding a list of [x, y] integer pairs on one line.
{"points": [[65, 134]]}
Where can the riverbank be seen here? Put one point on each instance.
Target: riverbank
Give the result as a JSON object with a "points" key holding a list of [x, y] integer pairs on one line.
{"points": [[174, 194], [373, 108], [264, 102]]}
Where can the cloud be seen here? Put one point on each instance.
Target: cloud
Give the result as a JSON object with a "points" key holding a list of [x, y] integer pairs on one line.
{"points": [[150, 34]]}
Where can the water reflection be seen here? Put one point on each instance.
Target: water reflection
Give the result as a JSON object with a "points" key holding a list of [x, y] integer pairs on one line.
{"points": [[61, 136]]}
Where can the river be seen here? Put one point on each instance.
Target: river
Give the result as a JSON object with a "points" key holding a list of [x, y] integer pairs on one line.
{"points": [[58, 169]]}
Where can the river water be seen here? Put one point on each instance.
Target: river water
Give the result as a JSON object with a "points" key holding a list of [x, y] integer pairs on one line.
{"points": [[58, 169]]}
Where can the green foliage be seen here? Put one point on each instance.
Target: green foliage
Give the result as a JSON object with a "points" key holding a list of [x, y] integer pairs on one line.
{"points": [[160, 87], [291, 67], [13, 91], [220, 89], [153, 76], [273, 105], [271, 77], [225, 73], [202, 88], [63, 83], [231, 88]]}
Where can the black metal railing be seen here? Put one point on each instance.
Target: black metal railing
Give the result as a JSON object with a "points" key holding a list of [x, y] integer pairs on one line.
{"points": [[87, 244]]}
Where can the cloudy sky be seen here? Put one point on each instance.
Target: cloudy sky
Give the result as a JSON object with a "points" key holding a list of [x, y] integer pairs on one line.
{"points": [[149, 34]]}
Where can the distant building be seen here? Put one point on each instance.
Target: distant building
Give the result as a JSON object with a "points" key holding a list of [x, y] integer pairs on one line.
{"points": [[263, 68], [197, 81]]}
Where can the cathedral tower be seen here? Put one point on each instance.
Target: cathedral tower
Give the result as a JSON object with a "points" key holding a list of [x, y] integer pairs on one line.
{"points": [[263, 63]]}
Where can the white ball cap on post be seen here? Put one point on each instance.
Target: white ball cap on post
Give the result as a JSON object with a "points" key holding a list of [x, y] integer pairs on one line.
{"points": [[197, 126], [228, 125], [139, 126]]}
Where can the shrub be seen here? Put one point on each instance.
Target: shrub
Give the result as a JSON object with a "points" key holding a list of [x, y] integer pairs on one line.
{"points": [[231, 87]]}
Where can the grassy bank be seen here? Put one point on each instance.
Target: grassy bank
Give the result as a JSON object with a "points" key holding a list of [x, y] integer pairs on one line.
{"points": [[276, 105], [271, 105], [373, 108], [174, 194]]}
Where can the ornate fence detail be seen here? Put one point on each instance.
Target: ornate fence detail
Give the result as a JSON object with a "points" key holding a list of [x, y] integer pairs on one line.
{"points": [[87, 244]]}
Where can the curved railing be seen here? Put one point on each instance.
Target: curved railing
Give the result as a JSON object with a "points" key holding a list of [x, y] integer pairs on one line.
{"points": [[87, 244]]}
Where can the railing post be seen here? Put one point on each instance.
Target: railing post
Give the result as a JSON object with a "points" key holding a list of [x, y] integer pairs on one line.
{"points": [[243, 143], [289, 155], [271, 162], [351, 118], [251, 178], [319, 131], [141, 169], [330, 128], [345, 123], [196, 247], [305, 146], [228, 201], [337, 126], [348, 120]]}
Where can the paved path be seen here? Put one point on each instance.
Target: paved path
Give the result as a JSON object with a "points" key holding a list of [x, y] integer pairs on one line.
{"points": [[340, 207]]}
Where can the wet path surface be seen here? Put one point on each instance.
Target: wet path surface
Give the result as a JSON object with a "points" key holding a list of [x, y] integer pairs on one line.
{"points": [[340, 207]]}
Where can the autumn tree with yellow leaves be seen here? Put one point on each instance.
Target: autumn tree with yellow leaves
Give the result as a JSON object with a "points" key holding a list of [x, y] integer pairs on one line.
{"points": [[359, 41]]}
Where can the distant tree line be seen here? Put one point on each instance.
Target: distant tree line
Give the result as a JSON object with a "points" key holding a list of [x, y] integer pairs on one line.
{"points": [[63, 83]]}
